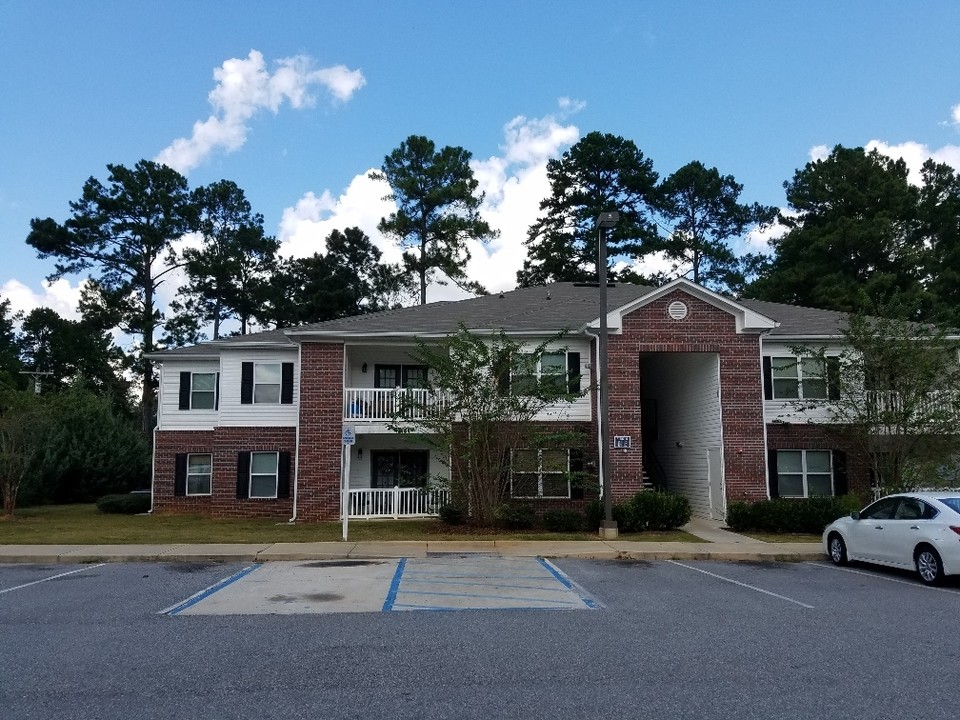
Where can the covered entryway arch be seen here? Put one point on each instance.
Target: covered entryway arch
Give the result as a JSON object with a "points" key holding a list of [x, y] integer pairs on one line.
{"points": [[682, 427]]}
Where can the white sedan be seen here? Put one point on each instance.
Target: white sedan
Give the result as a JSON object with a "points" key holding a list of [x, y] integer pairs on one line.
{"points": [[911, 530]]}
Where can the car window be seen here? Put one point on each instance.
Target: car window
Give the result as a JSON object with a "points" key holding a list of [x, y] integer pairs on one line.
{"points": [[951, 502], [882, 509], [929, 511], [910, 509]]}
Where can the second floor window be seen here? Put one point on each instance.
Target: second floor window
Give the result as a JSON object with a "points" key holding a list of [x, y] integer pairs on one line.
{"points": [[549, 373], [198, 390], [797, 378], [266, 383]]}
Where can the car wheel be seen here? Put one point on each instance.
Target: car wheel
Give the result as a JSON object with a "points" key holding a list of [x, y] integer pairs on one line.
{"points": [[838, 549], [929, 565]]}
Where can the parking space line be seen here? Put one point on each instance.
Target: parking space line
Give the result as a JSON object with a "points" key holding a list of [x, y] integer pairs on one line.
{"points": [[52, 577], [394, 586], [197, 597], [741, 584], [568, 583], [882, 577]]}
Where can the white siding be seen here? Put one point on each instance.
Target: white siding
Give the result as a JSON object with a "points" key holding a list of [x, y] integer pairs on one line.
{"points": [[232, 413], [385, 354], [169, 414], [686, 387], [789, 411]]}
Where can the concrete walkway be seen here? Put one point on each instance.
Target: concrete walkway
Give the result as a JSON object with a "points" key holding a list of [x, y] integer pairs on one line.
{"points": [[713, 531], [720, 545]]}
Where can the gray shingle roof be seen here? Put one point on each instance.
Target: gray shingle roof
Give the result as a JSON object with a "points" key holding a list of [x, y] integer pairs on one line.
{"points": [[536, 310]]}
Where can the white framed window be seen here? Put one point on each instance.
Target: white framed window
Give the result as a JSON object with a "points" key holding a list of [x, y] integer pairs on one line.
{"points": [[267, 379], [796, 378], [263, 474], [540, 474], [804, 473], [203, 391], [199, 474], [550, 371]]}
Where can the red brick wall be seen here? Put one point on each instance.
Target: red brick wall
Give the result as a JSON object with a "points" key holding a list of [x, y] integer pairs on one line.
{"points": [[782, 436], [321, 427], [225, 444], [706, 329]]}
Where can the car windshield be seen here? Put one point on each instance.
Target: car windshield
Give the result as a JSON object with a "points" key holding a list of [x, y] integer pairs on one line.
{"points": [[951, 502]]}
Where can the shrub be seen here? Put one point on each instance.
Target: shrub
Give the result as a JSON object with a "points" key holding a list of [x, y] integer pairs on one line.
{"points": [[563, 520], [654, 510], [130, 504], [790, 515], [515, 516], [452, 515]]}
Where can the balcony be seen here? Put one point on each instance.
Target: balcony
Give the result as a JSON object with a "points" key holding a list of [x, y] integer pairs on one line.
{"points": [[380, 404]]}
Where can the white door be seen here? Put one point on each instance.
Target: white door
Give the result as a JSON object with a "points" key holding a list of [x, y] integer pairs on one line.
{"points": [[718, 509]]}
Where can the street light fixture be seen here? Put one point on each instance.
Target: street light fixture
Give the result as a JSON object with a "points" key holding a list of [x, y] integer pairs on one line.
{"points": [[608, 529]]}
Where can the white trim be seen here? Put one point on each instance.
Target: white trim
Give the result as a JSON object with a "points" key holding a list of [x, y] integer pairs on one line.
{"points": [[747, 320], [186, 478], [276, 476]]}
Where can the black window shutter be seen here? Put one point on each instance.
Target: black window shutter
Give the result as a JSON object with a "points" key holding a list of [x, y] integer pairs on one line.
{"points": [[180, 474], [243, 474], [573, 372], [283, 475], [501, 369], [840, 483], [246, 383], [772, 470], [286, 383], [767, 378], [833, 378], [216, 396], [576, 469], [185, 391]]}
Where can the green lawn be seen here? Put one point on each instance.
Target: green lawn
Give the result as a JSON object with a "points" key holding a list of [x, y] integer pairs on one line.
{"points": [[85, 525]]}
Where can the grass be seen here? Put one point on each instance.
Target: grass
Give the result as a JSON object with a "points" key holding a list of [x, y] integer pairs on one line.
{"points": [[85, 525], [784, 537]]}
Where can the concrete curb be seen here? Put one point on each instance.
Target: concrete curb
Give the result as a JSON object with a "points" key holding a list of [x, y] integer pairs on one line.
{"points": [[595, 550]]}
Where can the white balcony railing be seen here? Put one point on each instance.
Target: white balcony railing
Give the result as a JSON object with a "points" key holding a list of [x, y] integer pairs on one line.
{"points": [[379, 404], [397, 502]]}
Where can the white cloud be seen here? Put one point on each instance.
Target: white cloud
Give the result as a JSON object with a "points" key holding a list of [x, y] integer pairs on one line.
{"points": [[819, 152], [955, 115], [244, 88], [514, 182], [914, 154], [58, 295]]}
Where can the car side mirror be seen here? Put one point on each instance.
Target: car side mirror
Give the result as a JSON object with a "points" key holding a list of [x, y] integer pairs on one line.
{"points": [[855, 515]]}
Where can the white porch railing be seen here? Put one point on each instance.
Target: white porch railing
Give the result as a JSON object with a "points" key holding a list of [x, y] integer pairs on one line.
{"points": [[379, 404], [397, 502]]}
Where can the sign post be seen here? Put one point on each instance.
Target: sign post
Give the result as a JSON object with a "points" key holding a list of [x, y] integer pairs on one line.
{"points": [[349, 439]]}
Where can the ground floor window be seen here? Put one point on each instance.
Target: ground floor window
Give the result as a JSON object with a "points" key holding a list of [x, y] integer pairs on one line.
{"points": [[199, 473], [264, 468], [540, 474], [399, 468], [804, 473]]}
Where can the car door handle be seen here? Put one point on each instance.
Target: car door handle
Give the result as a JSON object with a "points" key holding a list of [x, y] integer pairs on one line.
{"points": [[878, 527], [914, 527]]}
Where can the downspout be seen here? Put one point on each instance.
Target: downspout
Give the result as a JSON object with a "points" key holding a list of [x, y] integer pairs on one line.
{"points": [[596, 388], [296, 452], [153, 457]]}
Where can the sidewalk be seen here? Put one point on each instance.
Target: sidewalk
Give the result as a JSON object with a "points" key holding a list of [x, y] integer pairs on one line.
{"points": [[719, 545]]}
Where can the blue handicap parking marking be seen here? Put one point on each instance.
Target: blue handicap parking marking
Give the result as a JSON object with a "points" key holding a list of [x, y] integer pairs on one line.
{"points": [[462, 582]]}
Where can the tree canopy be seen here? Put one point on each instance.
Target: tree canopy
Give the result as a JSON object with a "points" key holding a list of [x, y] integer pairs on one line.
{"points": [[438, 211], [123, 231], [701, 212], [602, 172]]}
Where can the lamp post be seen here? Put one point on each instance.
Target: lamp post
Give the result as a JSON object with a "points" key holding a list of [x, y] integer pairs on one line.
{"points": [[608, 529]]}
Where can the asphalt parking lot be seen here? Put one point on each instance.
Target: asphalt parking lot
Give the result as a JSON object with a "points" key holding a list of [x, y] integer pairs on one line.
{"points": [[665, 639]]}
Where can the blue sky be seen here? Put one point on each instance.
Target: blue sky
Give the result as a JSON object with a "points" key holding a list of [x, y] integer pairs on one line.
{"points": [[753, 88]]}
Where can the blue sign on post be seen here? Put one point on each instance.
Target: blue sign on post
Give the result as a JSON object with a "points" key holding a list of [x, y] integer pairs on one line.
{"points": [[349, 435]]}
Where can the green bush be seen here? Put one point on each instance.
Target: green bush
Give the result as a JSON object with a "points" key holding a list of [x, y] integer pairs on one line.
{"points": [[130, 504], [647, 510], [563, 520], [515, 516], [452, 515], [654, 510], [790, 515]]}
